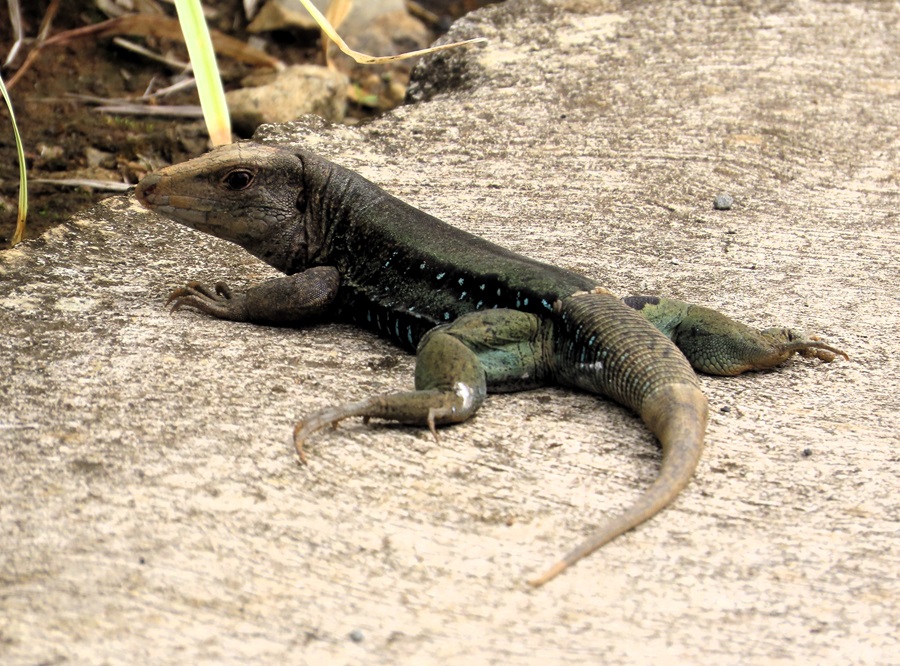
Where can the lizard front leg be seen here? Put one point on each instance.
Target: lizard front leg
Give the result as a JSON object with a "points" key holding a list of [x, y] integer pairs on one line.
{"points": [[290, 300], [456, 365], [718, 345]]}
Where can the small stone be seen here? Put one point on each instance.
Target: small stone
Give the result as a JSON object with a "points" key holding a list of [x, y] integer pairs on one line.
{"points": [[283, 14], [357, 636], [723, 202], [288, 95], [50, 158], [99, 158]]}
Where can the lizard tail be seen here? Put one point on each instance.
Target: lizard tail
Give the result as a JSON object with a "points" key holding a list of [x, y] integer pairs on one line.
{"points": [[681, 436], [602, 348]]}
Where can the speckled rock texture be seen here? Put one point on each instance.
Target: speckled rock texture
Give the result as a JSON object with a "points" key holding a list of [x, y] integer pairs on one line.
{"points": [[152, 509]]}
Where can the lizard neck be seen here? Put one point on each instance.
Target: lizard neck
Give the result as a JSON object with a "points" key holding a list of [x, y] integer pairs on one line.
{"points": [[331, 204]]}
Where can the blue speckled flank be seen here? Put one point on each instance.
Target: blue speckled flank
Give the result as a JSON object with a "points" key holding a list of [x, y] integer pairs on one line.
{"points": [[440, 276], [546, 304], [462, 296], [446, 316], [461, 281]]}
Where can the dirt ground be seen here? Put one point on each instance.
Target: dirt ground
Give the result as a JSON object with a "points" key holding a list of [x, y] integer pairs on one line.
{"points": [[60, 133], [66, 137]]}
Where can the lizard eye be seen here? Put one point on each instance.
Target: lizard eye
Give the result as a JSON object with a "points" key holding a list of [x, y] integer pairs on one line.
{"points": [[237, 180]]}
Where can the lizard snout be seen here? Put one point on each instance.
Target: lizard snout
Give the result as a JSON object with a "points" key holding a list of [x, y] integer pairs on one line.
{"points": [[146, 189]]}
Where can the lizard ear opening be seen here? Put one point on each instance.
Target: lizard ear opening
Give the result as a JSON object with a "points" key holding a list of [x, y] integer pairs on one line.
{"points": [[238, 179]]}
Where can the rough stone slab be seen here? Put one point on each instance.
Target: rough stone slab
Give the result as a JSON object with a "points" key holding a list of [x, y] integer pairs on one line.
{"points": [[151, 510]]}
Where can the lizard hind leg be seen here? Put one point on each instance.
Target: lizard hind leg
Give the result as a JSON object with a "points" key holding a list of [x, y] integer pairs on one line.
{"points": [[450, 387], [719, 345], [456, 365]]}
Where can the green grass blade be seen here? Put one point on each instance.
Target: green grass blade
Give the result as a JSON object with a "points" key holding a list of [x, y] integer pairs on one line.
{"points": [[203, 60], [364, 59], [23, 175]]}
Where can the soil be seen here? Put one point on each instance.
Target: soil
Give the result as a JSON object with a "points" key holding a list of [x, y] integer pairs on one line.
{"points": [[61, 134], [65, 137]]}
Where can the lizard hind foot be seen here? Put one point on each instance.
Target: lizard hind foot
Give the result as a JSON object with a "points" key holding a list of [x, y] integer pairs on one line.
{"points": [[790, 341], [430, 407], [325, 417]]}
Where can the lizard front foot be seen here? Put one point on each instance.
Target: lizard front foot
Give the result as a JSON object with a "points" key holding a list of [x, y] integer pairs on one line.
{"points": [[291, 300], [218, 301]]}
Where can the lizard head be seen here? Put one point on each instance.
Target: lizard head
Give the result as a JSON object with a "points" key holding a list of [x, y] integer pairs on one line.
{"points": [[249, 194]]}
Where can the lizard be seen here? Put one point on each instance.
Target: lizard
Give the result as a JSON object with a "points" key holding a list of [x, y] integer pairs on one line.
{"points": [[479, 317]]}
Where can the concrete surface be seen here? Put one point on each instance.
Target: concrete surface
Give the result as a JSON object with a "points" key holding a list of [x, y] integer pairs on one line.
{"points": [[151, 509]]}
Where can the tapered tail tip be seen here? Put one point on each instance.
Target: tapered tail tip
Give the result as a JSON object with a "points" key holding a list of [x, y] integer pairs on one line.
{"points": [[677, 415], [549, 574]]}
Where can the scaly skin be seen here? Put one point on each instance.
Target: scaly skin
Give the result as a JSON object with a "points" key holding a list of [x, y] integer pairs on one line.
{"points": [[719, 345], [481, 318]]}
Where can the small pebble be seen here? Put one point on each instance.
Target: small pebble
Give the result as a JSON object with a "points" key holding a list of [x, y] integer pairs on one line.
{"points": [[356, 636], [723, 202], [725, 409], [807, 453]]}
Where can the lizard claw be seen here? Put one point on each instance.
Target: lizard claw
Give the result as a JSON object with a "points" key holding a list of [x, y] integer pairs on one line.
{"points": [[304, 429], [393, 407], [325, 417], [220, 292], [824, 352], [432, 426], [788, 341], [300, 437], [218, 301]]}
